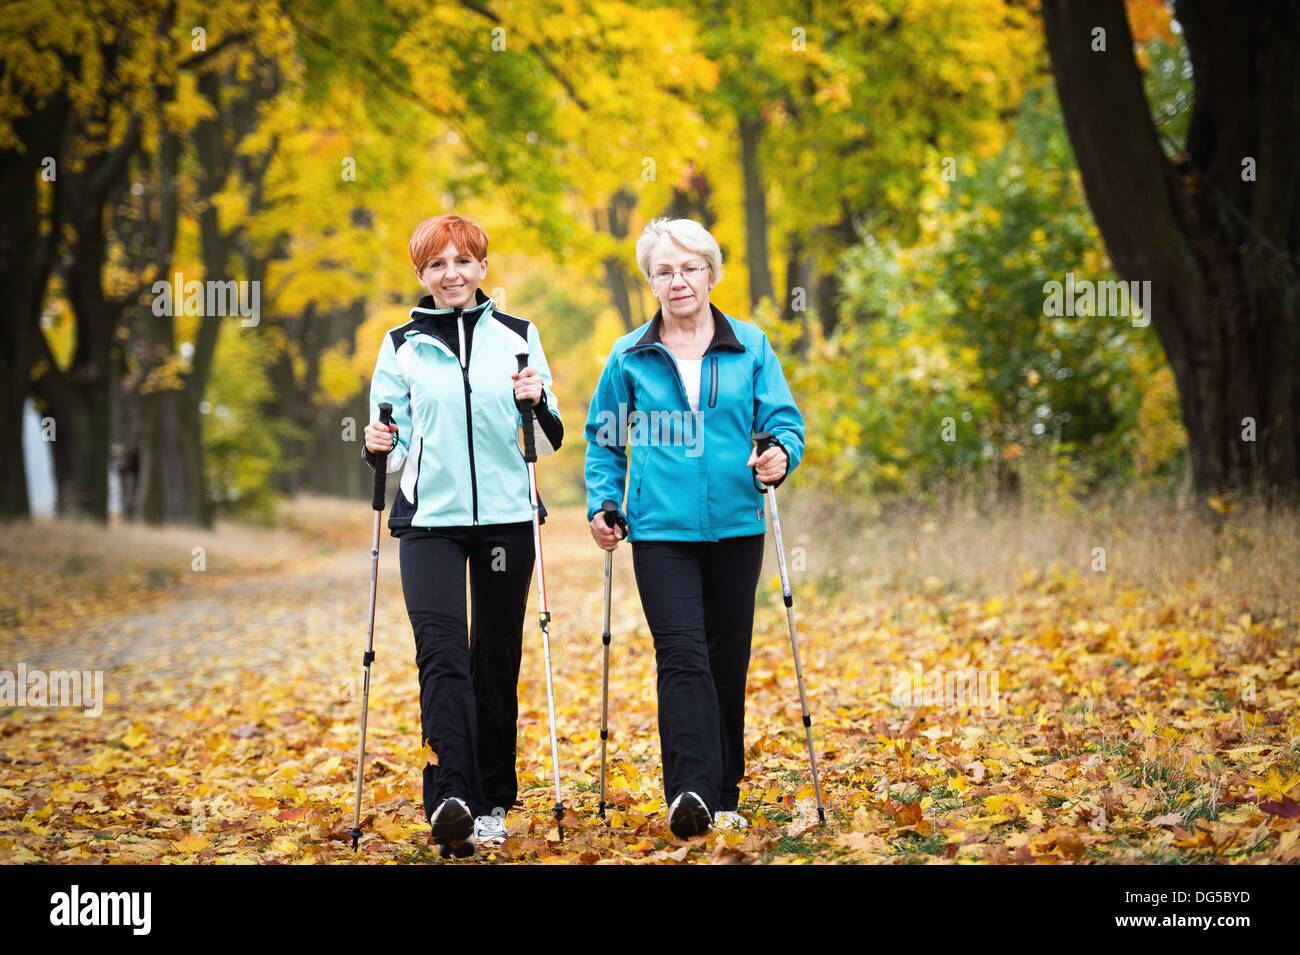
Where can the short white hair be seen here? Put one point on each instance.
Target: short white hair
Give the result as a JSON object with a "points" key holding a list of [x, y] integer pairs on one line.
{"points": [[688, 234]]}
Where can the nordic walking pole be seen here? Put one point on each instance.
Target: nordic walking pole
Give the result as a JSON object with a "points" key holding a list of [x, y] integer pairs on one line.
{"points": [[763, 441], [381, 475], [530, 457], [609, 509]]}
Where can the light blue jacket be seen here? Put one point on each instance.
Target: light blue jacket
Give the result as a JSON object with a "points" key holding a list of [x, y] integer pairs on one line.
{"points": [[456, 417], [688, 478]]}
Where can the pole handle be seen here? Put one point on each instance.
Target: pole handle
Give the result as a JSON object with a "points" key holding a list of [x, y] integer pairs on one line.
{"points": [[381, 470], [526, 411], [609, 510]]}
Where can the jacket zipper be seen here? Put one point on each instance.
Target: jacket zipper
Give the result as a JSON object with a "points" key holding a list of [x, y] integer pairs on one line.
{"points": [[469, 418], [672, 363]]}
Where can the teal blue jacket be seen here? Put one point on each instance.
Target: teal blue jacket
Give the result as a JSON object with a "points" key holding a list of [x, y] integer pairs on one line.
{"points": [[688, 478], [447, 375]]}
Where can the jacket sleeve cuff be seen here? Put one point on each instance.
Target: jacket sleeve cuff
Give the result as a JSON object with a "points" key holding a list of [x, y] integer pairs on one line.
{"points": [[373, 458], [552, 429]]}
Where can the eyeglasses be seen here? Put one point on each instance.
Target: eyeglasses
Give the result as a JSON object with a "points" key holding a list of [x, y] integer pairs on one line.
{"points": [[689, 274]]}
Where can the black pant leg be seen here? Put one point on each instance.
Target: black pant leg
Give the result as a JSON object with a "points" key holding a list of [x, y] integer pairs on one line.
{"points": [[731, 568], [433, 584], [669, 580], [501, 571]]}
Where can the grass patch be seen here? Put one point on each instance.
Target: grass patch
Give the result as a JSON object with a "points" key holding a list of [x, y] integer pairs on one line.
{"points": [[914, 844]]}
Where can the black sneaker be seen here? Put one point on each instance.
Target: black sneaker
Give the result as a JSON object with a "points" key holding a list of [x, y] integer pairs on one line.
{"points": [[452, 825], [461, 850], [688, 816]]}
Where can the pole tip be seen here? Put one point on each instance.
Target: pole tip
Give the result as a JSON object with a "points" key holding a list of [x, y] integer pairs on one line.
{"points": [[356, 837]]}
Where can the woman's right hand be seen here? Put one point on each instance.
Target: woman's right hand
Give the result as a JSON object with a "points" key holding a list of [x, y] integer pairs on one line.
{"points": [[380, 438], [606, 537]]}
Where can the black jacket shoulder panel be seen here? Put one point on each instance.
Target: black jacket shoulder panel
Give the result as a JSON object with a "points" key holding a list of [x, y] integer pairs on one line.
{"points": [[513, 322]]}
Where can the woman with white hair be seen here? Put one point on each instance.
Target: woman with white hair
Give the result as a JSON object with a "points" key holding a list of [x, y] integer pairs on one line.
{"points": [[681, 396]]}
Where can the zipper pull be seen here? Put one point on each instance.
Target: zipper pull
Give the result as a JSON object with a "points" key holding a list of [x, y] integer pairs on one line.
{"points": [[464, 365]]}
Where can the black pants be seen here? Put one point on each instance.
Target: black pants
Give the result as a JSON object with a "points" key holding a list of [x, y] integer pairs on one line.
{"points": [[698, 597], [469, 706]]}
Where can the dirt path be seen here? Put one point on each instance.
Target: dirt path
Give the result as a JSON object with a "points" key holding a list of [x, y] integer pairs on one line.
{"points": [[230, 716]]}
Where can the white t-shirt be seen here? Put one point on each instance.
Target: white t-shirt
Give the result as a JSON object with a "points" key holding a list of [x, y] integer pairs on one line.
{"points": [[690, 369]]}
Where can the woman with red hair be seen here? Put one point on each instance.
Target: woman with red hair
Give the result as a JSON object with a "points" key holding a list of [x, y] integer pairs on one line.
{"points": [[451, 375]]}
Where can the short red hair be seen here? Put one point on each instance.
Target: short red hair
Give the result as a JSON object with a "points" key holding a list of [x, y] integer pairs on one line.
{"points": [[432, 235]]}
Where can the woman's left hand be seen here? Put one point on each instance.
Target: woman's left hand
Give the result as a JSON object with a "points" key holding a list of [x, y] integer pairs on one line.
{"points": [[769, 468], [528, 385]]}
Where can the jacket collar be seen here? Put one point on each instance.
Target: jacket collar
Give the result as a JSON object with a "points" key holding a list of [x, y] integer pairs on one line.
{"points": [[427, 310], [723, 335]]}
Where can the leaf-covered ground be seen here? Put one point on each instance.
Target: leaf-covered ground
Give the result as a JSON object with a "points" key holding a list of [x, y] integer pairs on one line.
{"points": [[1129, 726]]}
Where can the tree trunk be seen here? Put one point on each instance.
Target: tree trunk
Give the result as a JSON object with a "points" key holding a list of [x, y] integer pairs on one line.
{"points": [[17, 332], [176, 473], [1219, 250], [757, 257], [616, 222], [692, 198], [25, 264], [798, 281], [78, 398]]}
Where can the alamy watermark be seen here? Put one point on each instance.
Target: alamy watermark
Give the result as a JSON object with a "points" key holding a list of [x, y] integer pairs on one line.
{"points": [[83, 688], [1086, 297], [940, 687], [212, 297], [650, 429], [130, 909]]}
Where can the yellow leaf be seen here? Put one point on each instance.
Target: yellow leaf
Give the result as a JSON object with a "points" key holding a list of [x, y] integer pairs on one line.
{"points": [[191, 844], [104, 760], [1276, 785], [24, 856], [1240, 814], [392, 830], [1241, 751]]}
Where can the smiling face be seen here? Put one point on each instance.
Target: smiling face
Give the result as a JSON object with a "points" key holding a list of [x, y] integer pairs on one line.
{"points": [[681, 294], [452, 277]]}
